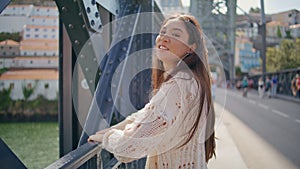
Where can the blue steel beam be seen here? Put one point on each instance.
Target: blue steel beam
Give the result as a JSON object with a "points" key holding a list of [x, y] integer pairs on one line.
{"points": [[3, 4], [103, 107], [77, 23]]}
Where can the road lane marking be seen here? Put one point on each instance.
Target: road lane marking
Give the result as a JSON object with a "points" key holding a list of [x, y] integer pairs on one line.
{"points": [[263, 106], [297, 120], [252, 101], [280, 113]]}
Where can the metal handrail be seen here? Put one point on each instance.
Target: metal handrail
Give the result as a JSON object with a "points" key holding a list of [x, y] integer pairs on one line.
{"points": [[78, 157]]}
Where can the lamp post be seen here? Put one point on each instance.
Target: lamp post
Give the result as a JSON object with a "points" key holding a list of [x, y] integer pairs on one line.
{"points": [[263, 36]]}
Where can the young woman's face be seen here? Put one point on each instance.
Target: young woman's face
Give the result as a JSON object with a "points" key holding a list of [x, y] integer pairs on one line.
{"points": [[172, 42]]}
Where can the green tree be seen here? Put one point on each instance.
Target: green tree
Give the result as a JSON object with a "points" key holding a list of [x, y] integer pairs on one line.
{"points": [[5, 100], [3, 70], [279, 35], [285, 56], [27, 92], [254, 10], [238, 71], [288, 34], [13, 36]]}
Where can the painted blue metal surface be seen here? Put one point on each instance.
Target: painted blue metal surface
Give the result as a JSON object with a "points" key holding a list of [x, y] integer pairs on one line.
{"points": [[8, 159], [3, 4], [103, 111]]}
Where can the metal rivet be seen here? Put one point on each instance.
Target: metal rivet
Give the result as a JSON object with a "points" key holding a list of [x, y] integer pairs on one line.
{"points": [[95, 59], [88, 10], [83, 26], [82, 56], [77, 42], [64, 9], [86, 69], [71, 26], [91, 81]]}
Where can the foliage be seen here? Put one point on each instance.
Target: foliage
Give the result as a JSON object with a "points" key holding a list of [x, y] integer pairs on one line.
{"points": [[254, 10], [28, 91], [279, 35], [3, 70], [285, 56], [39, 109], [5, 101], [288, 34], [238, 71], [12, 36]]}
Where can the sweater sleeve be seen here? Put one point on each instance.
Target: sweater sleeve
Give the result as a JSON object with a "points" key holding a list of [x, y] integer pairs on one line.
{"points": [[157, 127]]}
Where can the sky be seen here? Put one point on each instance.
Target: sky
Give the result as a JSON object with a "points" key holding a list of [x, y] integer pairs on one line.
{"points": [[271, 6]]}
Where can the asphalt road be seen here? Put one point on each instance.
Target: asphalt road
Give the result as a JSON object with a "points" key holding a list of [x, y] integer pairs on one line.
{"points": [[276, 121]]}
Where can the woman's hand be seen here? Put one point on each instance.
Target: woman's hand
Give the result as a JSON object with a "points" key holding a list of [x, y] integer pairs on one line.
{"points": [[98, 136]]}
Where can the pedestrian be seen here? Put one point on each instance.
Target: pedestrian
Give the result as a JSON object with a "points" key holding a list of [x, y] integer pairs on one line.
{"points": [[268, 87], [245, 86], [274, 86], [294, 86], [298, 85], [176, 128], [261, 87]]}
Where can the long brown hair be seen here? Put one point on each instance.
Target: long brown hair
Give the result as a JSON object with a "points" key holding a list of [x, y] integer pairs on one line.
{"points": [[197, 62]]}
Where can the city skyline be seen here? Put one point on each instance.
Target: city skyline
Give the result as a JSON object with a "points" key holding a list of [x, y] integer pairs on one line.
{"points": [[271, 6]]}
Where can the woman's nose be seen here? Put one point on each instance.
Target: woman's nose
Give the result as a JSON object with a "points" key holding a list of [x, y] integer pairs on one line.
{"points": [[165, 38]]}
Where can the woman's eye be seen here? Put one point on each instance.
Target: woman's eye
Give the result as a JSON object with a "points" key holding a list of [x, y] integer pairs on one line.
{"points": [[175, 34], [162, 32]]}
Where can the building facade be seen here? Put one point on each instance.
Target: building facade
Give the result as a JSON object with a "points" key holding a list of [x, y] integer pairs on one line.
{"points": [[38, 25], [29, 62], [170, 7], [44, 82], [295, 30], [290, 17], [9, 48], [40, 34], [14, 17], [247, 58]]}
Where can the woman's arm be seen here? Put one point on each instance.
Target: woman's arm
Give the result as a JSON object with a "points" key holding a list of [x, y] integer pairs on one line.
{"points": [[158, 127], [99, 134]]}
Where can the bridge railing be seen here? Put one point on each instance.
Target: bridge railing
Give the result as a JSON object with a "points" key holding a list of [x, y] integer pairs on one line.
{"points": [[284, 82], [88, 154]]}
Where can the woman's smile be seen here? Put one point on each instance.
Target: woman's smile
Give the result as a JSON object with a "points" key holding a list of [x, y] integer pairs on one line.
{"points": [[162, 47]]}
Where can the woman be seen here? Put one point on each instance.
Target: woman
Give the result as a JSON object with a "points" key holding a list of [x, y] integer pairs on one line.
{"points": [[261, 87], [176, 128]]}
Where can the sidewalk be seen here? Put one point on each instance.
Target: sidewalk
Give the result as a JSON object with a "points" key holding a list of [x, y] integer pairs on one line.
{"points": [[239, 147], [227, 154]]}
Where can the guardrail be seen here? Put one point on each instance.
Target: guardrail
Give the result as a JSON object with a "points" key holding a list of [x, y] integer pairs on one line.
{"points": [[88, 153]]}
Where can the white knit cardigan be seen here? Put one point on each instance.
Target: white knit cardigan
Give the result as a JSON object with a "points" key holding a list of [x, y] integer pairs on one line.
{"points": [[161, 127]]}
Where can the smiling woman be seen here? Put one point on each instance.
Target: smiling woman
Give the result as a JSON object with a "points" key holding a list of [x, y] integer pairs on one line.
{"points": [[172, 43], [176, 128]]}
